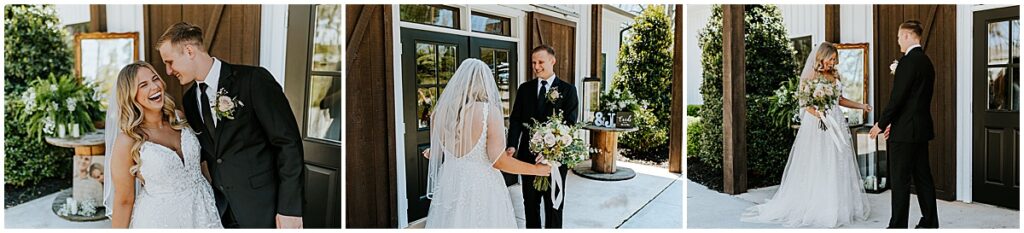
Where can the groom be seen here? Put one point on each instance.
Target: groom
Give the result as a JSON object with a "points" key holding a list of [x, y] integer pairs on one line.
{"points": [[536, 100], [908, 123], [249, 137]]}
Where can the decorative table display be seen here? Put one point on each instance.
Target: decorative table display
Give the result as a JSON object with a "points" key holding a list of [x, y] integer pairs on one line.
{"points": [[84, 201], [872, 159]]}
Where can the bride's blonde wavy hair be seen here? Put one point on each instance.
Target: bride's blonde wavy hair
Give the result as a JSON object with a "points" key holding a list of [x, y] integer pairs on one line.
{"points": [[131, 116], [825, 51]]}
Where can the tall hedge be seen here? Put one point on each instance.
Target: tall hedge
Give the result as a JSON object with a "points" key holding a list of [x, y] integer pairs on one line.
{"points": [[768, 142], [35, 46], [645, 69]]}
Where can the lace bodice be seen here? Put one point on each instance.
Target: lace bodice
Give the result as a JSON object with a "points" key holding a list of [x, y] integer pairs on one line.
{"points": [[175, 194]]}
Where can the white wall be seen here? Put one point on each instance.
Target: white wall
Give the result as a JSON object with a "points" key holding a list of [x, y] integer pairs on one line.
{"points": [[612, 22], [273, 40], [72, 14], [856, 25], [127, 18], [696, 18], [803, 20]]}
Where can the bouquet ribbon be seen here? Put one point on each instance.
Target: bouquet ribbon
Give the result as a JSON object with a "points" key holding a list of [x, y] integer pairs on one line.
{"points": [[833, 132], [556, 184]]}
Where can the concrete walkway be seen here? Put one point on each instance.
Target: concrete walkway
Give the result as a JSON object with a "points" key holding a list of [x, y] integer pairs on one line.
{"points": [[653, 199], [710, 209], [37, 214]]}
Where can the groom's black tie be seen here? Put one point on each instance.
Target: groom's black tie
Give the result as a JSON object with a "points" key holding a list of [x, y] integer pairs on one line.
{"points": [[542, 95], [205, 102]]}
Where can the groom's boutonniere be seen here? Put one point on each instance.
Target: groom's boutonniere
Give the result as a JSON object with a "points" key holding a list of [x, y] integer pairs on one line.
{"points": [[554, 95], [892, 67], [226, 105]]}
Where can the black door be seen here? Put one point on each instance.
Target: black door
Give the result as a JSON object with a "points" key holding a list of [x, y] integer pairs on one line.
{"points": [[429, 59], [996, 110], [313, 88]]}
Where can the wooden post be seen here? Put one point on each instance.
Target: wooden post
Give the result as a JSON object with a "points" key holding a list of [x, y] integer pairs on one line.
{"points": [[832, 23], [734, 101], [607, 144], [596, 15], [97, 18], [676, 123]]}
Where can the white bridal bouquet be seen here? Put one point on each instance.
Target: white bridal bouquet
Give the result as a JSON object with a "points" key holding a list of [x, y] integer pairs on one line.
{"points": [[819, 93], [557, 142]]}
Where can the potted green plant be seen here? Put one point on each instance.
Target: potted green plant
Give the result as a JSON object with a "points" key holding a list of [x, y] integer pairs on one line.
{"points": [[60, 106]]}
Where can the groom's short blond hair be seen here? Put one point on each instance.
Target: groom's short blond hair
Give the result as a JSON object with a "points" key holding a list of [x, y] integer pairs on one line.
{"points": [[183, 33], [913, 26]]}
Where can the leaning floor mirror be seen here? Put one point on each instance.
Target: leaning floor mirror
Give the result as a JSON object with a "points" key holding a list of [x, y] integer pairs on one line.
{"points": [[100, 56], [853, 69]]}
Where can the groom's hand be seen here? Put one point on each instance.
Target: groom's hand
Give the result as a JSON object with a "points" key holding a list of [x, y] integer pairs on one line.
{"points": [[426, 153], [288, 222], [887, 130], [511, 151]]}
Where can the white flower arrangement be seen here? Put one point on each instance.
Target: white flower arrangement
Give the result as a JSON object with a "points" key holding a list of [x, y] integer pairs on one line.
{"points": [[892, 67]]}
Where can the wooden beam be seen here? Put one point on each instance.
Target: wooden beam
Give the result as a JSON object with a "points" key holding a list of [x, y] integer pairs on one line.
{"points": [[734, 157], [676, 136], [97, 18], [596, 14], [832, 30]]}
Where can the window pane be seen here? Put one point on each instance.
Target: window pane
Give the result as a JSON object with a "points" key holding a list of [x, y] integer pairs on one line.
{"points": [[497, 60], [327, 38], [491, 24], [1014, 89], [324, 108], [997, 89], [998, 42], [430, 14], [426, 64], [425, 99], [1015, 31], [449, 57]]}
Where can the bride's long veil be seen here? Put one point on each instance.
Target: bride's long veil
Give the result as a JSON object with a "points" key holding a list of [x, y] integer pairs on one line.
{"points": [[111, 129], [472, 77]]}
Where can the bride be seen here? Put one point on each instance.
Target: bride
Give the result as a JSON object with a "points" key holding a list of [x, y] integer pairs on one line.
{"points": [[821, 186], [156, 180], [464, 183]]}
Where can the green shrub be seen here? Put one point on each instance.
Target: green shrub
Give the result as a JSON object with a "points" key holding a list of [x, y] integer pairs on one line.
{"points": [[649, 142], [645, 69], [768, 143], [34, 47], [693, 109], [693, 128]]}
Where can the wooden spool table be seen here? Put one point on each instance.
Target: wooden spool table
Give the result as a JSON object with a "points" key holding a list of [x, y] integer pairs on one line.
{"points": [[602, 164], [89, 147]]}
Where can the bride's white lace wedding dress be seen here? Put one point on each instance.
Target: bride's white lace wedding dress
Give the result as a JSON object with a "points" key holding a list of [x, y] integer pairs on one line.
{"points": [[175, 193], [821, 186], [470, 192]]}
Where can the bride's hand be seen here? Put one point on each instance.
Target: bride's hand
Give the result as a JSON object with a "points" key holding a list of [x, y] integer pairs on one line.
{"points": [[867, 108], [426, 153], [543, 170]]}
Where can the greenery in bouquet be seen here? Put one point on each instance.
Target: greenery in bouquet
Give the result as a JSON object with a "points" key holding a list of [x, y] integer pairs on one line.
{"points": [[818, 93], [558, 144], [60, 101]]}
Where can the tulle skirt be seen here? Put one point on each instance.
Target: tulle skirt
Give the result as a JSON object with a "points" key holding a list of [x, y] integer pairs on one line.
{"points": [[471, 194], [821, 186]]}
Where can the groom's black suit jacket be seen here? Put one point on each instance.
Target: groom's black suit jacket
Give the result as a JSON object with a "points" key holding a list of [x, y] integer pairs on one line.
{"points": [[909, 108], [525, 110], [255, 159]]}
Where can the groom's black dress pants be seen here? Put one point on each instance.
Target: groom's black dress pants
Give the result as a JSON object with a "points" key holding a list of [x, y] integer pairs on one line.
{"points": [[909, 161], [532, 199]]}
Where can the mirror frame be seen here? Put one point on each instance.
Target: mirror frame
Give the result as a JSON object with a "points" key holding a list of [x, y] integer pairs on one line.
{"points": [[867, 75], [102, 36]]}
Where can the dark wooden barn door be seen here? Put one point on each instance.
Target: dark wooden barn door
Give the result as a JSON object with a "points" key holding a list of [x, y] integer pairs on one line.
{"points": [[939, 42], [231, 33], [557, 33], [370, 182], [996, 110]]}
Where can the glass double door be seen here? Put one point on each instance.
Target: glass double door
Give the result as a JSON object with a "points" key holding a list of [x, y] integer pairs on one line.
{"points": [[429, 59]]}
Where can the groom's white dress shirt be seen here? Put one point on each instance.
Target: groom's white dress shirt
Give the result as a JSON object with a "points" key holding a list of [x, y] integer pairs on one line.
{"points": [[911, 48], [212, 79], [548, 86]]}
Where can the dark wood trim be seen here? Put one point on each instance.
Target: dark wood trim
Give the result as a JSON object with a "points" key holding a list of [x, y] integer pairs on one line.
{"points": [[734, 102], [97, 18], [596, 15], [356, 39], [676, 143], [832, 26]]}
